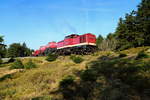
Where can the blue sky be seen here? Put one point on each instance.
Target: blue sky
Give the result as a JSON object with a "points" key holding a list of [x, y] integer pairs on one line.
{"points": [[38, 22]]}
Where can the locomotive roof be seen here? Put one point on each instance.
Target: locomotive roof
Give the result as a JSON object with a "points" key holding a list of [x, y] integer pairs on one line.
{"points": [[71, 36]]}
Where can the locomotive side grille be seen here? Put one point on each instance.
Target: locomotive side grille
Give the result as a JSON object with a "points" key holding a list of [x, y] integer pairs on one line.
{"points": [[82, 39]]}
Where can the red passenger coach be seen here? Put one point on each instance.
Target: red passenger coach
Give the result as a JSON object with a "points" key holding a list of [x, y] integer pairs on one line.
{"points": [[51, 47], [42, 49], [60, 45], [36, 53]]}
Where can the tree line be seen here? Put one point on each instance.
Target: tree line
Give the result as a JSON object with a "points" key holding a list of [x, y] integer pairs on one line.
{"points": [[14, 49], [132, 31]]}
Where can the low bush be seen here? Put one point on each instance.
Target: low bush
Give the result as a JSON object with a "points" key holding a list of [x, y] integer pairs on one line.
{"points": [[30, 65], [11, 60], [1, 61], [66, 81], [51, 57], [76, 59], [17, 65], [67, 86], [142, 54], [122, 55], [89, 75], [5, 77]]}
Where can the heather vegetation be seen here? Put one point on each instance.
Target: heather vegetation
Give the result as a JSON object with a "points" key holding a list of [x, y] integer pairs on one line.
{"points": [[76, 59], [122, 55], [51, 57], [30, 65], [107, 75], [142, 54], [17, 65]]}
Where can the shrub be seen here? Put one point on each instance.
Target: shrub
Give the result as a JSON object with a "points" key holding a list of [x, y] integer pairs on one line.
{"points": [[17, 65], [89, 75], [142, 54], [76, 59], [30, 65], [5, 77], [68, 87], [68, 80], [1, 61], [11, 60], [51, 57], [122, 55], [95, 54]]}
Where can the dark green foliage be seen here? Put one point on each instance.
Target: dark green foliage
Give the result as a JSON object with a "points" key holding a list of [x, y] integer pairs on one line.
{"points": [[116, 91], [133, 31], [110, 36], [67, 87], [143, 19], [122, 55], [30, 65], [1, 61], [127, 34], [112, 79], [142, 54], [2, 47], [88, 75], [51, 57], [18, 50], [14, 50], [76, 59], [68, 80], [17, 65], [11, 60], [99, 40], [8, 76]]}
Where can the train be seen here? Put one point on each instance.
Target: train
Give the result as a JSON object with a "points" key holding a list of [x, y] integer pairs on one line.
{"points": [[71, 44]]}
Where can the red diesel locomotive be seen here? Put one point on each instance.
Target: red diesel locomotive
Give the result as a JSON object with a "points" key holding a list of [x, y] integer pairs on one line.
{"points": [[72, 44]]}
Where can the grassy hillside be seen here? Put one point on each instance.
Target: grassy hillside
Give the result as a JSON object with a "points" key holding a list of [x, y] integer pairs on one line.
{"points": [[101, 76]]}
